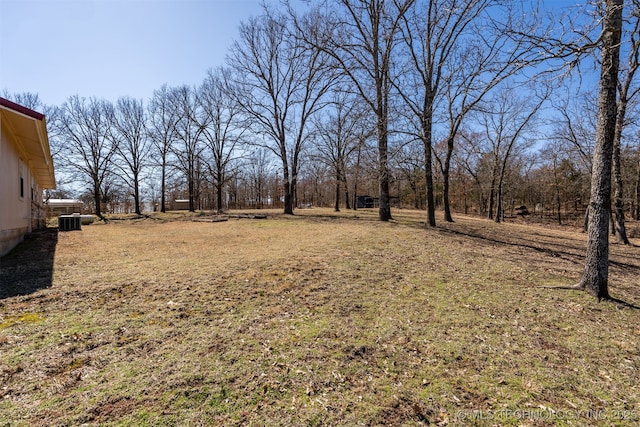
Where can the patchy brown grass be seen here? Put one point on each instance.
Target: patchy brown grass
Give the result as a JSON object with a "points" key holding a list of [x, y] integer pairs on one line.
{"points": [[318, 319]]}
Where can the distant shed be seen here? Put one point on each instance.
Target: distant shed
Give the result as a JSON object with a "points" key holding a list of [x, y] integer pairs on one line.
{"points": [[180, 205], [363, 202], [64, 206]]}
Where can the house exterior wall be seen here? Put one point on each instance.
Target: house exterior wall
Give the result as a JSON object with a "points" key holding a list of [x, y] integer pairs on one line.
{"points": [[26, 167], [21, 207]]}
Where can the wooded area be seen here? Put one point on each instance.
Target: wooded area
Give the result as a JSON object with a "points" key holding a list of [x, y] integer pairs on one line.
{"points": [[498, 109]]}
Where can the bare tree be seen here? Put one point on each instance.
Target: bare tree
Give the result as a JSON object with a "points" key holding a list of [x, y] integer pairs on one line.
{"points": [[475, 69], [408, 161], [257, 171], [471, 157], [162, 121], [447, 54], [86, 126], [576, 126], [561, 177], [575, 129], [188, 147], [505, 118], [339, 130], [27, 99], [222, 128], [626, 92], [570, 46], [595, 278], [361, 37], [132, 144], [283, 82], [637, 192]]}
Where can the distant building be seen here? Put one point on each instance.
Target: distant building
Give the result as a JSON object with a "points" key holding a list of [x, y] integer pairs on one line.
{"points": [[64, 207], [26, 168], [363, 202], [179, 205]]}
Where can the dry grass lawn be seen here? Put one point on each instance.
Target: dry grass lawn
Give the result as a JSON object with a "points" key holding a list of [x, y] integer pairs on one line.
{"points": [[316, 319]]}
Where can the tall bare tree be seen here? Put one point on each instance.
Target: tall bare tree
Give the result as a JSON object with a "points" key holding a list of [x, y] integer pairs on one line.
{"points": [[339, 130], [575, 129], [570, 47], [188, 147], [408, 162], [162, 121], [132, 144], [219, 118], [283, 84], [432, 33], [86, 126], [471, 157], [595, 278], [361, 36], [506, 119], [257, 170], [637, 185], [627, 91]]}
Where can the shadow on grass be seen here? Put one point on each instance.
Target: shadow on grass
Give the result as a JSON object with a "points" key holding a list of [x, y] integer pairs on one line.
{"points": [[622, 304], [29, 266], [628, 268], [523, 243]]}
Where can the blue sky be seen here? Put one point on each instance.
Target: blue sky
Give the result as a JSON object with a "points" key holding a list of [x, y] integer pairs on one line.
{"points": [[112, 48]]}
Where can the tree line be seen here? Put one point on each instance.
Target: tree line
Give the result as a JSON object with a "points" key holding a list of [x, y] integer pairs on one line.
{"points": [[476, 106]]}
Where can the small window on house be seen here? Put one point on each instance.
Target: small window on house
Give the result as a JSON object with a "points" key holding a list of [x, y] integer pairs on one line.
{"points": [[21, 179]]}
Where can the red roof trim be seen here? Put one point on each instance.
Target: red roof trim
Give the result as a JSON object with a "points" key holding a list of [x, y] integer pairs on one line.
{"points": [[21, 109]]}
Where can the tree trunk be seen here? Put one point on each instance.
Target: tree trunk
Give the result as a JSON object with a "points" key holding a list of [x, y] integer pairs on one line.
{"points": [[294, 194], [596, 272], [356, 175], [163, 185], [619, 228], [612, 224], [384, 211], [445, 196], [464, 200], [499, 208], [638, 192], [446, 177], [286, 181], [492, 197], [191, 186], [428, 154], [557, 185], [219, 196], [288, 205], [346, 192], [288, 197], [136, 195], [337, 201], [96, 199], [192, 205], [416, 194], [431, 209], [558, 204]]}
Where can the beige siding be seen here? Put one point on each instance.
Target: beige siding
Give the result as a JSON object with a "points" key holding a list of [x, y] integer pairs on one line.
{"points": [[15, 211]]}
